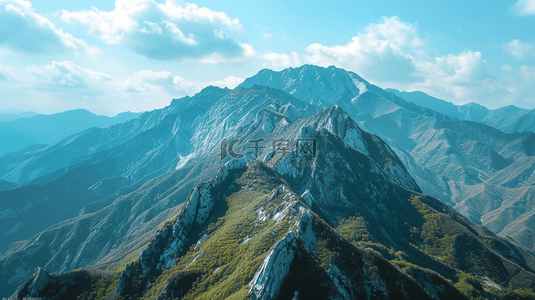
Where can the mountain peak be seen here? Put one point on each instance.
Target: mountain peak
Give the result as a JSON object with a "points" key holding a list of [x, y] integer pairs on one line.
{"points": [[316, 85]]}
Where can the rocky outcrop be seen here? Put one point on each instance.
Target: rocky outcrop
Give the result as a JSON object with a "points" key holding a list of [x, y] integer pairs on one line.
{"points": [[268, 279], [35, 286], [172, 240]]}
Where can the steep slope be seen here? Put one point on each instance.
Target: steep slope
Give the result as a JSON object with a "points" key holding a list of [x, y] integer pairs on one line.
{"points": [[46, 129], [450, 159], [35, 207], [250, 233], [39, 160], [169, 143]]}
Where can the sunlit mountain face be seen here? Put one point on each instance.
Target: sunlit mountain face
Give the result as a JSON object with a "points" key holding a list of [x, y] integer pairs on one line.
{"points": [[305, 183]]}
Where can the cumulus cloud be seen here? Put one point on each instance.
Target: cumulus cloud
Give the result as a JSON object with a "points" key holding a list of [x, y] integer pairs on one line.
{"points": [[148, 81], [461, 76], [216, 58], [520, 50], [382, 52], [229, 82], [524, 7], [24, 30], [168, 31], [280, 61], [519, 86], [67, 75], [65, 85], [392, 54]]}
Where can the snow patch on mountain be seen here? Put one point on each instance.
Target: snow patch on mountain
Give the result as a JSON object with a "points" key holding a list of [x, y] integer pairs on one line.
{"points": [[360, 85], [184, 160]]}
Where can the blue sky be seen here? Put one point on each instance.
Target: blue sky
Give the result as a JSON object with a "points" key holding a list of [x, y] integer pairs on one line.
{"points": [[137, 55]]}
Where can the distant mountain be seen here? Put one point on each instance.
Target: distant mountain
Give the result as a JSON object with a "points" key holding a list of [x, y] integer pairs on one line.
{"points": [[46, 129], [6, 116], [509, 119], [336, 227], [6, 185]]}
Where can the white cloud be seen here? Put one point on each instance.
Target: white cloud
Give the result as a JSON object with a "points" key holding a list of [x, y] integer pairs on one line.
{"points": [[229, 82], [524, 7], [267, 35], [462, 76], [64, 85], [280, 61], [164, 82], [392, 54], [168, 31], [520, 50], [26, 31], [216, 58], [520, 84], [506, 68], [528, 74], [383, 52], [67, 75]]}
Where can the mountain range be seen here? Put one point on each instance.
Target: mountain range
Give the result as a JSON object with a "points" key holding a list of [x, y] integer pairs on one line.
{"points": [[10, 115], [509, 119], [151, 208], [29, 128]]}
